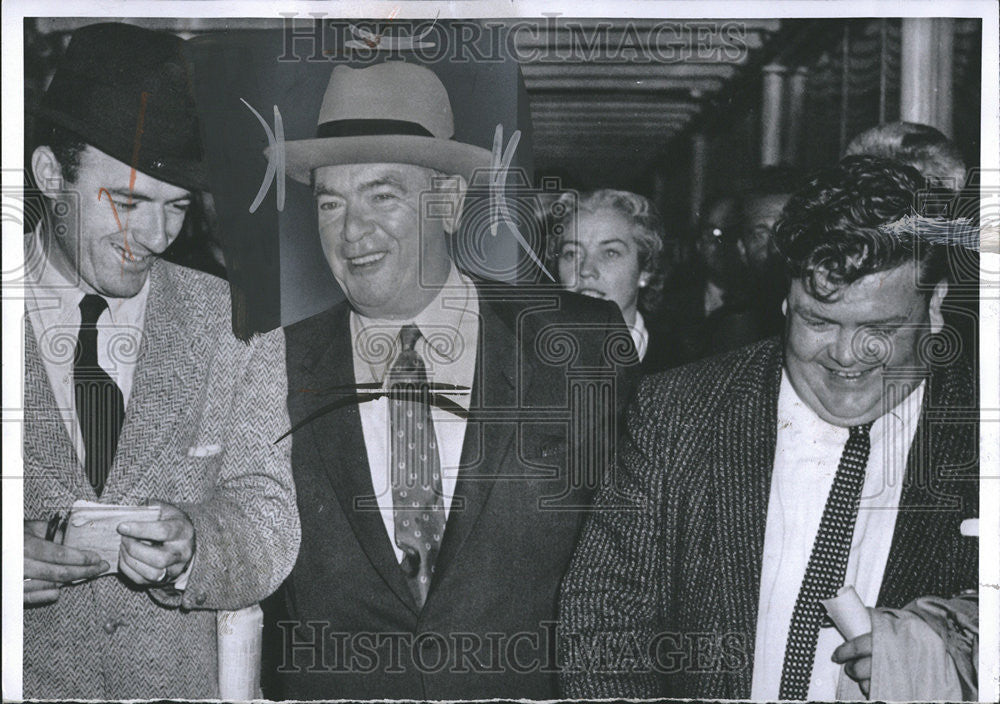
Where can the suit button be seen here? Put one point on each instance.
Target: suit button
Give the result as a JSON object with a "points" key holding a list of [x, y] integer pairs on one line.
{"points": [[200, 599], [110, 626]]}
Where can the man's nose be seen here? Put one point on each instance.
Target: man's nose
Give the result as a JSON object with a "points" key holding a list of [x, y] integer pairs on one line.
{"points": [[151, 229], [843, 348], [357, 224]]}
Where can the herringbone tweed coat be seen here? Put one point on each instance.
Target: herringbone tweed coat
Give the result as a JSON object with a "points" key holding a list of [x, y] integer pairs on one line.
{"points": [[199, 432], [661, 599]]}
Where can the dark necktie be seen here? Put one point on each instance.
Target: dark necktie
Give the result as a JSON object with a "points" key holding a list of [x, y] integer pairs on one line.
{"points": [[100, 406], [827, 564], [418, 505]]}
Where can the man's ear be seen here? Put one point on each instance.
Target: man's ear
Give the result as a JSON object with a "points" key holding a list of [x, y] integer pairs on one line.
{"points": [[934, 305], [47, 171], [452, 189]]}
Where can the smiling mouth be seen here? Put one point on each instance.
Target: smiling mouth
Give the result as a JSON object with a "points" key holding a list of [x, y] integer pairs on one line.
{"points": [[850, 376], [592, 292], [366, 259], [129, 256]]}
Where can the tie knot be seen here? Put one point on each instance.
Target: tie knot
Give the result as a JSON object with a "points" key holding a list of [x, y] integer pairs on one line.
{"points": [[408, 336], [859, 431], [91, 308]]}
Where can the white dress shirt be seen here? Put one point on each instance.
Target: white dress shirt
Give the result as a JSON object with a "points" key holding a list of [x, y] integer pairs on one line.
{"points": [[640, 336], [807, 453], [53, 307], [449, 328]]}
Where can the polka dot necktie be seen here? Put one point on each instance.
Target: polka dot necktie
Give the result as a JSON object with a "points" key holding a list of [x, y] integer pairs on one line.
{"points": [[827, 564], [100, 406], [418, 505]]}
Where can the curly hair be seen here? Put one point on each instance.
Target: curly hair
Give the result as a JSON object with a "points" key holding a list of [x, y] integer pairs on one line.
{"points": [[842, 226], [647, 230], [923, 147]]}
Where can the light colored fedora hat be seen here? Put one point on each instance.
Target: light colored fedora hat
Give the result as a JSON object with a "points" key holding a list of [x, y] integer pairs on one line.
{"points": [[393, 112]]}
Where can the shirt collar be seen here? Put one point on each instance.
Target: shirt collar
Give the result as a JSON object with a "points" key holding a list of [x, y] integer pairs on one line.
{"points": [[446, 324], [640, 336]]}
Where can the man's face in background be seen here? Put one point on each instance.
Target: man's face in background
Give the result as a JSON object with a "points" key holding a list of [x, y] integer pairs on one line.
{"points": [[389, 260], [850, 358], [716, 243], [115, 228], [760, 212]]}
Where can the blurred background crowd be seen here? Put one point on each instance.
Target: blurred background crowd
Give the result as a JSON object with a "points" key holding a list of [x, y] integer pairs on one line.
{"points": [[679, 169]]}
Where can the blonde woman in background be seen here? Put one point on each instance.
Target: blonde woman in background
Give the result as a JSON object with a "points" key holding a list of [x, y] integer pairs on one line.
{"points": [[608, 244]]}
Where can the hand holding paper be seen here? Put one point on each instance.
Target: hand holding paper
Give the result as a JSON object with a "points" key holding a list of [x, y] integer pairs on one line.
{"points": [[156, 551], [93, 527], [49, 566], [854, 622]]}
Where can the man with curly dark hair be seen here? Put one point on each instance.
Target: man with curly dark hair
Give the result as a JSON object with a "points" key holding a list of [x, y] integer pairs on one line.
{"points": [[766, 481]]}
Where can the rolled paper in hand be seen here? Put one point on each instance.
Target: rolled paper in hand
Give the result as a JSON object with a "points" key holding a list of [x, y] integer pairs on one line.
{"points": [[970, 528], [847, 612], [239, 641]]}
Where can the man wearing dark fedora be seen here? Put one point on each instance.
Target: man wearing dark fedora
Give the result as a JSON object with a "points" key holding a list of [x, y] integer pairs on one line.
{"points": [[442, 460], [136, 392]]}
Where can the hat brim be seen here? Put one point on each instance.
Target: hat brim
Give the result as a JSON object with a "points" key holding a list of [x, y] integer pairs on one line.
{"points": [[186, 173], [444, 155]]}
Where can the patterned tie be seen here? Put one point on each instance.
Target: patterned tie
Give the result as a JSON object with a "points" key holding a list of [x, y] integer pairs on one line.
{"points": [[418, 506], [827, 564], [100, 406]]}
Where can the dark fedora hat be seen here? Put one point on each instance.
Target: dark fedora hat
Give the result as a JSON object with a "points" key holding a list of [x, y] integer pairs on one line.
{"points": [[125, 90]]}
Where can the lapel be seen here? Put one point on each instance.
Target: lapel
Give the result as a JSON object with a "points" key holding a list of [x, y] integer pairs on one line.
{"points": [[169, 382], [743, 460], [49, 456], [500, 383], [928, 513], [340, 445]]}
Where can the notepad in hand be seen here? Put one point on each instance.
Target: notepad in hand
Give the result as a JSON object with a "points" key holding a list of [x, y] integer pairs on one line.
{"points": [[94, 526]]}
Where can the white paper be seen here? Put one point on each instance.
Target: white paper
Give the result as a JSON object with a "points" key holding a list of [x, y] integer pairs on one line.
{"points": [[847, 612], [94, 527], [239, 641]]}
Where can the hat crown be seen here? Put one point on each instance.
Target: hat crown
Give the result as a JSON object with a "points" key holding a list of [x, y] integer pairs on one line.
{"points": [[126, 90], [394, 91]]}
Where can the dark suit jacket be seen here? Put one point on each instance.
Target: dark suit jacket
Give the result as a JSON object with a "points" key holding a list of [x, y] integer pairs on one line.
{"points": [[675, 582], [487, 628]]}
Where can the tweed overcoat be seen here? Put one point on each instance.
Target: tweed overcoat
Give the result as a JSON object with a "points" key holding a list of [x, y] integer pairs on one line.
{"points": [[202, 418], [661, 597], [552, 370]]}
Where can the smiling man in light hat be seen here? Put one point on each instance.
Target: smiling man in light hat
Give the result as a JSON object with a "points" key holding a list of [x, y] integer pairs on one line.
{"points": [[136, 391], [438, 516]]}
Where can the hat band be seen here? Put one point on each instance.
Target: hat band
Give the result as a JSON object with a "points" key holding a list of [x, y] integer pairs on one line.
{"points": [[365, 128]]}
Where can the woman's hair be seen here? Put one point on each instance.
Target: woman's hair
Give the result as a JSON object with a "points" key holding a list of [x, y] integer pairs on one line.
{"points": [[646, 227]]}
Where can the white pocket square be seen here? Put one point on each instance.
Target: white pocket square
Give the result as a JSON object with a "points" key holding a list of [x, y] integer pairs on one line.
{"points": [[204, 450]]}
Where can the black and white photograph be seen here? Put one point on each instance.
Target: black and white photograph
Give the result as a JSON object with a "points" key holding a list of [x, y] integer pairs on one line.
{"points": [[533, 351]]}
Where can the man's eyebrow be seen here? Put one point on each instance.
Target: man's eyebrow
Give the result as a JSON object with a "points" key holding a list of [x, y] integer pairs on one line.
{"points": [[891, 320], [321, 190], [615, 240], [126, 193], [387, 180]]}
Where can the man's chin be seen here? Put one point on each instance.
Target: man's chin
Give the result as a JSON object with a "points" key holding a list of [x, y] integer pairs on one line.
{"points": [[848, 415], [125, 286]]}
